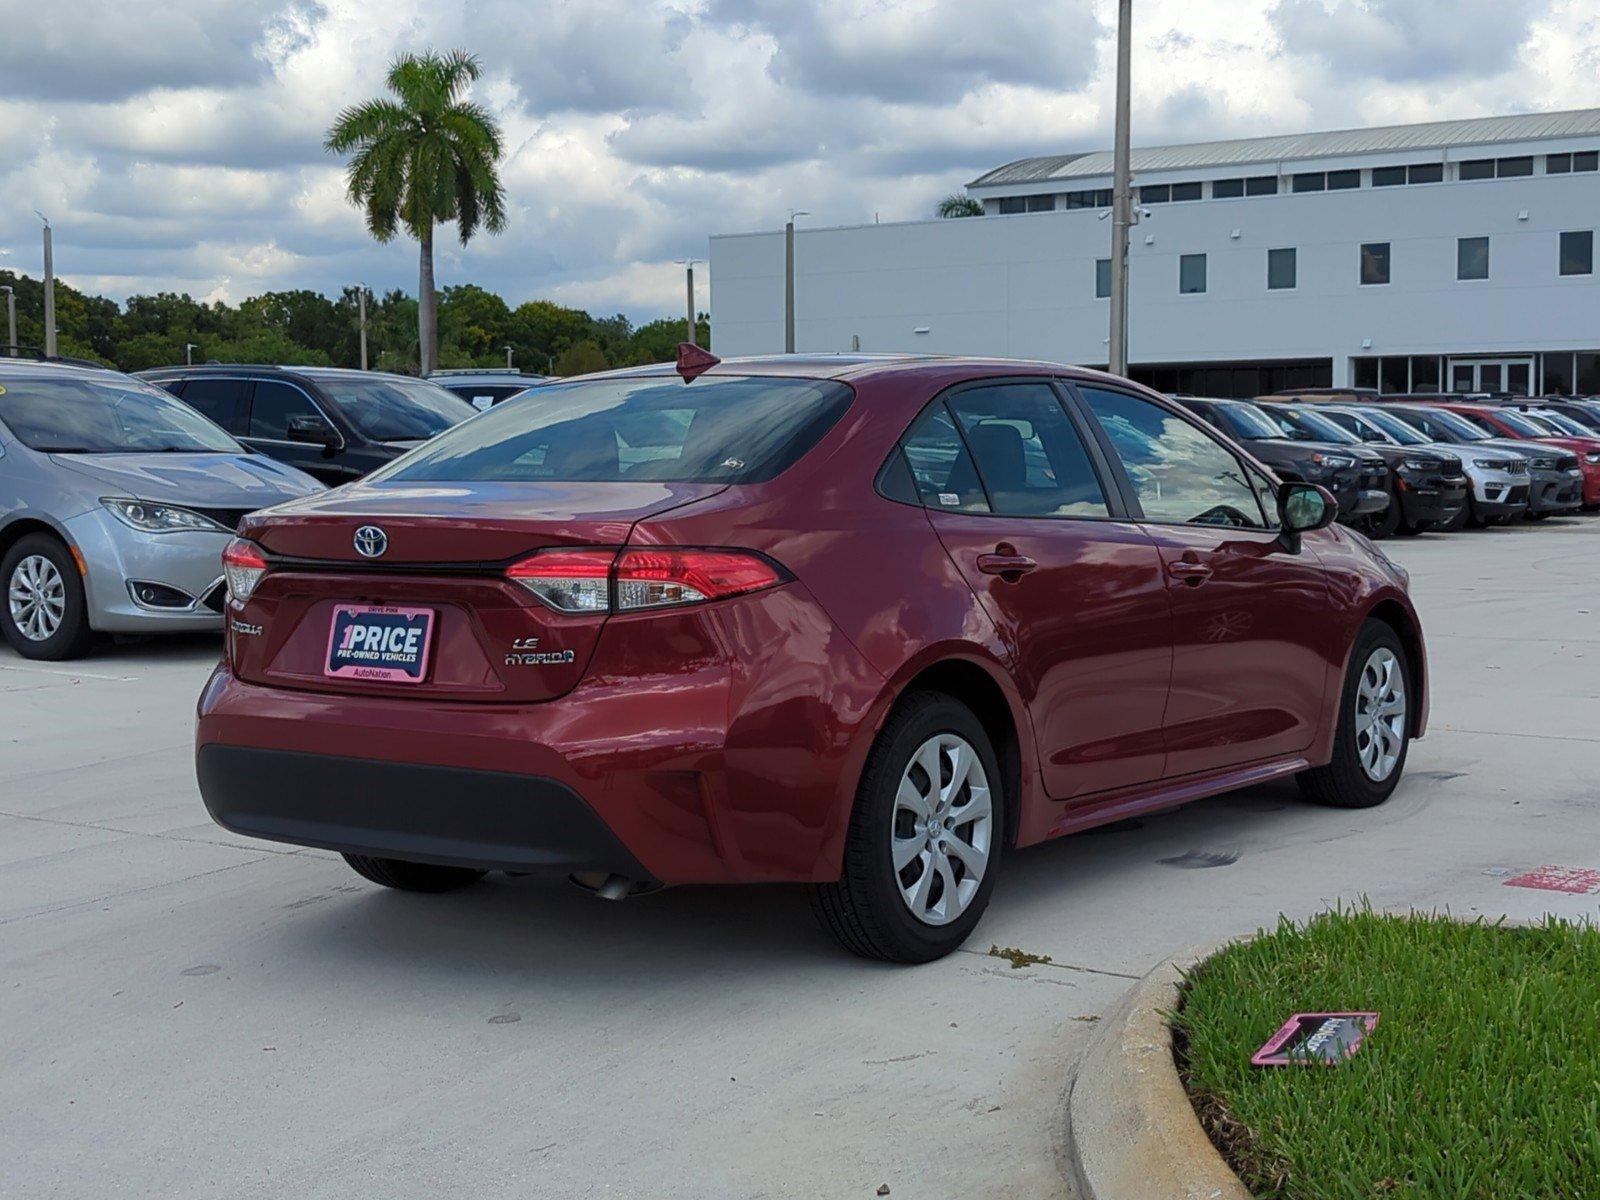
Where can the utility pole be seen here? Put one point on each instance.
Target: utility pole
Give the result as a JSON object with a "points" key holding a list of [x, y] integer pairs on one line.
{"points": [[688, 269], [361, 307], [49, 289], [1121, 196], [11, 318], [188, 353], [788, 279], [508, 358]]}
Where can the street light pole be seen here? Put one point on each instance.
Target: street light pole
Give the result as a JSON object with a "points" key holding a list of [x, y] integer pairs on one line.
{"points": [[11, 318], [508, 358], [188, 353], [788, 279], [1121, 196], [361, 306], [49, 289], [688, 270]]}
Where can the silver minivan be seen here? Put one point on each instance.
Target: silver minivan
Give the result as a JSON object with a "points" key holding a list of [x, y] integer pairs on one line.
{"points": [[116, 500]]}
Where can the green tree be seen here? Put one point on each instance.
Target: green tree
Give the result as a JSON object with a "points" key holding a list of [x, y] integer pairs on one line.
{"points": [[955, 205], [582, 359], [425, 157]]}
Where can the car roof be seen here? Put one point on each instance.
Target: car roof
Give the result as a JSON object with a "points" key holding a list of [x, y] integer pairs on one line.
{"points": [[855, 366], [269, 369], [44, 368]]}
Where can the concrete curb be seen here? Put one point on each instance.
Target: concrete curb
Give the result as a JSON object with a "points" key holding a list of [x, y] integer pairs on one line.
{"points": [[1132, 1133]]}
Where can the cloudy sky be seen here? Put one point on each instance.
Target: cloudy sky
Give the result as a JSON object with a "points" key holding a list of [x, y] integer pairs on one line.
{"points": [[176, 144]]}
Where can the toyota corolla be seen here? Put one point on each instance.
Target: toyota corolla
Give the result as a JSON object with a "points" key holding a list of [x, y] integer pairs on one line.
{"points": [[864, 624]]}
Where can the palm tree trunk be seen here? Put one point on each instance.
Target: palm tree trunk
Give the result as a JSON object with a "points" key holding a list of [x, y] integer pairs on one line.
{"points": [[427, 307]]}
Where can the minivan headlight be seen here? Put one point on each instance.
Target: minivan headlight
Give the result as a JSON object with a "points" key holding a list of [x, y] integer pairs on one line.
{"points": [[148, 517]]}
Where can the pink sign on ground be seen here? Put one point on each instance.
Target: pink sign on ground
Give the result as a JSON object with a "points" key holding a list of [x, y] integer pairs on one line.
{"points": [[1576, 881]]}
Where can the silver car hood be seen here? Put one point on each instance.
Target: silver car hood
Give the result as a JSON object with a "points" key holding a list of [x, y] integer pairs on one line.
{"points": [[248, 481]]}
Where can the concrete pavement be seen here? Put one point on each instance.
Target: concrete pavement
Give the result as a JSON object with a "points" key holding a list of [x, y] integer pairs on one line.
{"points": [[184, 1012]]}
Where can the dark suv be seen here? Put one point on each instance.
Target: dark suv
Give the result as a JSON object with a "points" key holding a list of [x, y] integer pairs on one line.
{"points": [[1356, 476], [335, 425]]}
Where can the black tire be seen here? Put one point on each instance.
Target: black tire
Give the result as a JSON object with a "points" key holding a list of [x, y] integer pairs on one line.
{"points": [[865, 910], [74, 637], [1385, 523], [1457, 522], [1344, 782], [411, 876]]}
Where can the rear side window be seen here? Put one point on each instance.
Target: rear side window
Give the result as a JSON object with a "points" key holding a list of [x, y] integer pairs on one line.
{"points": [[946, 477], [273, 406], [1029, 455], [713, 430], [1179, 474], [214, 398]]}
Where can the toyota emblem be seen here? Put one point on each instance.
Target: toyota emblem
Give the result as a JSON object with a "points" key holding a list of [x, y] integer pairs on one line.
{"points": [[371, 541]]}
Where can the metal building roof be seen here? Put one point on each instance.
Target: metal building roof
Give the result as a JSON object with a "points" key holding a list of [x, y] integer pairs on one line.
{"points": [[1431, 135]]}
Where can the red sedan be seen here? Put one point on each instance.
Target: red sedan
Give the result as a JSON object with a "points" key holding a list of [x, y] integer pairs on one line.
{"points": [[1527, 427], [866, 624]]}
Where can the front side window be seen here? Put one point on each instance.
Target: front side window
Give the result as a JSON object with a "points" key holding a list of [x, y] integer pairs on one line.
{"points": [[1472, 258], [733, 429], [90, 416], [1577, 252], [1180, 474], [1191, 274], [1030, 458], [943, 470], [274, 406], [1281, 269], [1375, 262]]}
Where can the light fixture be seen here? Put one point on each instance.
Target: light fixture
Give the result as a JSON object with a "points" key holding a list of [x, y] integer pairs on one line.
{"points": [[1522, 214], [1366, 343], [920, 329], [1149, 239], [1234, 235]]}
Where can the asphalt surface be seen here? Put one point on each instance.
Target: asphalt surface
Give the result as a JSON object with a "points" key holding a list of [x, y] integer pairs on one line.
{"points": [[187, 1013]]}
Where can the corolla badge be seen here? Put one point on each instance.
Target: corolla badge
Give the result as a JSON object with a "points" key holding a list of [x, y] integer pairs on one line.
{"points": [[371, 541]]}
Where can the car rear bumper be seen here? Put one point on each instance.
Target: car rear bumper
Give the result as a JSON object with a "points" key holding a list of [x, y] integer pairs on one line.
{"points": [[447, 815]]}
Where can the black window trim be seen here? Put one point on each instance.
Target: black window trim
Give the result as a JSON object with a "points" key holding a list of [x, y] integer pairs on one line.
{"points": [[250, 407], [1088, 434], [1130, 495]]}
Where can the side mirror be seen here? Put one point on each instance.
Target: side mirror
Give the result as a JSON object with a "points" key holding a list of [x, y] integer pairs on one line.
{"points": [[313, 430], [1303, 507]]}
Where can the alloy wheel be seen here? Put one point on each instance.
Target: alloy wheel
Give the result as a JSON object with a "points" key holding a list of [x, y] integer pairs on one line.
{"points": [[37, 596], [1380, 714], [943, 829]]}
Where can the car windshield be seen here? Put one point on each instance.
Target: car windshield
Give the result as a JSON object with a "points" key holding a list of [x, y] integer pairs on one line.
{"points": [[395, 410], [1525, 425], [1395, 427], [1313, 426], [713, 430], [1248, 421], [106, 416], [1564, 423], [1462, 429]]}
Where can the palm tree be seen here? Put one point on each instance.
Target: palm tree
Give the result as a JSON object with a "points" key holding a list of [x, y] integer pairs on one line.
{"points": [[957, 205], [424, 157]]}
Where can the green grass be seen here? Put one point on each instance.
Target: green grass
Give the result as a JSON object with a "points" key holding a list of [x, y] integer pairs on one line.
{"points": [[1482, 1078]]}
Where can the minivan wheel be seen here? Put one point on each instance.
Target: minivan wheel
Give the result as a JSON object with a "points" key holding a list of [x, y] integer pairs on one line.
{"points": [[925, 837], [412, 876], [44, 614], [1369, 749]]}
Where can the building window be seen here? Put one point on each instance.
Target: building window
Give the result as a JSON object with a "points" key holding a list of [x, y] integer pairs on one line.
{"points": [[1102, 278], [1310, 181], [1261, 185], [1087, 199], [1425, 373], [1557, 379], [1565, 164], [1388, 176], [1281, 269], [1393, 375], [1227, 189], [1477, 168], [1509, 168], [1041, 203], [1013, 204], [1191, 274], [1366, 372], [1375, 262], [1186, 191], [1577, 252], [1339, 181], [1586, 376], [1425, 173], [1156, 193], [1472, 258]]}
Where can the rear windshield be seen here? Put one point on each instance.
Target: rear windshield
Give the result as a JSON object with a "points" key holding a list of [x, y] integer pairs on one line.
{"points": [[395, 410], [116, 416], [713, 430]]}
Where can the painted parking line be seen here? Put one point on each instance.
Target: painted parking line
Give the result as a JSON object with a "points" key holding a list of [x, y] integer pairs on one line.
{"points": [[1576, 881], [70, 674]]}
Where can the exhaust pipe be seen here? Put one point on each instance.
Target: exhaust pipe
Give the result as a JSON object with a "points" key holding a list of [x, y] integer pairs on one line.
{"points": [[610, 886]]}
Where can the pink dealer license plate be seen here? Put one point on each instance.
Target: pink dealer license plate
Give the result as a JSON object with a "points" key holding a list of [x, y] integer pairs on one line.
{"points": [[377, 642]]}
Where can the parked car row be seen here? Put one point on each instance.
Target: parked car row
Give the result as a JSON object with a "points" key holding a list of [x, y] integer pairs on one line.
{"points": [[1408, 463]]}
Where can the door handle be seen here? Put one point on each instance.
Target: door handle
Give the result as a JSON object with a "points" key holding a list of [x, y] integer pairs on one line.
{"points": [[1192, 573], [1005, 564]]}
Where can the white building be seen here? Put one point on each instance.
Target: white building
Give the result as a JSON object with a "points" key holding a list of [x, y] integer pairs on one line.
{"points": [[1454, 255]]}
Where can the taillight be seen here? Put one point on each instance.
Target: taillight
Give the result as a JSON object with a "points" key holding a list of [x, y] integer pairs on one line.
{"points": [[569, 581], [243, 566], [582, 581]]}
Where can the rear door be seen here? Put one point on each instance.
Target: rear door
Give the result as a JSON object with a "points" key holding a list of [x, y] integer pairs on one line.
{"points": [[1019, 501], [1251, 651]]}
